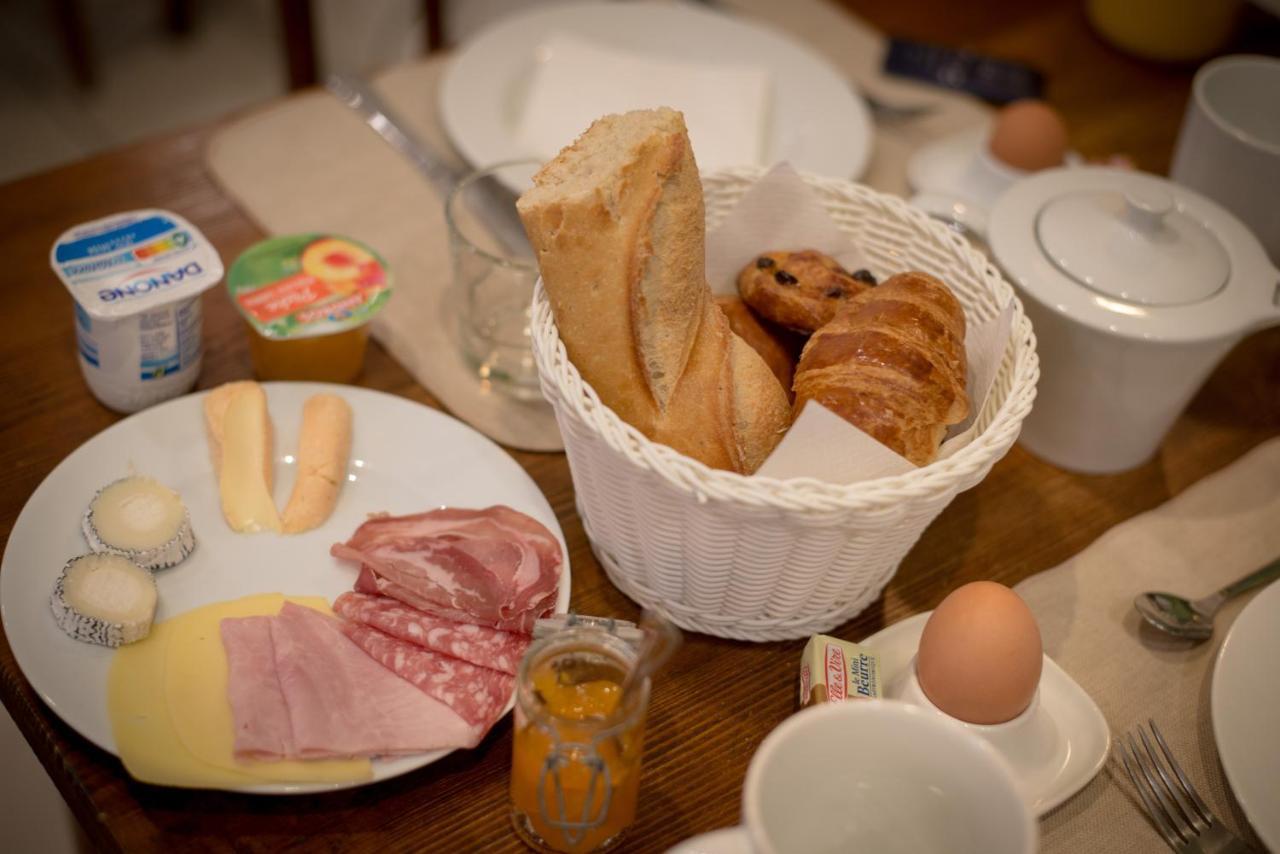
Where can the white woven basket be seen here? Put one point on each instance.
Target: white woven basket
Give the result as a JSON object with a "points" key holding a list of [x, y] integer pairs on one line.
{"points": [[758, 558]]}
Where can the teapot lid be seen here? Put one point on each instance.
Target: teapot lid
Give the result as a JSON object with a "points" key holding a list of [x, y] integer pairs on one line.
{"points": [[1133, 255], [1132, 244]]}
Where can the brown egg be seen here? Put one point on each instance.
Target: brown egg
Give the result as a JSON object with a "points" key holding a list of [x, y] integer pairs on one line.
{"points": [[1029, 135], [980, 654]]}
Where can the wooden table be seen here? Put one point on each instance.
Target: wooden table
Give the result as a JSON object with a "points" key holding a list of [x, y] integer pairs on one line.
{"points": [[719, 698]]}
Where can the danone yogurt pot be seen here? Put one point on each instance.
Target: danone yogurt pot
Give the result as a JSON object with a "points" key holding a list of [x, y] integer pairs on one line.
{"points": [[308, 299], [136, 279]]}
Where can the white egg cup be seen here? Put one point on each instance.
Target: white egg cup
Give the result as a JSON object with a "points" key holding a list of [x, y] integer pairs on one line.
{"points": [[1029, 741], [958, 180], [1055, 746]]}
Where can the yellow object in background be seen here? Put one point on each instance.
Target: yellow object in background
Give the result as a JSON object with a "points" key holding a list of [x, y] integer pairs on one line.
{"points": [[1165, 30], [167, 697]]}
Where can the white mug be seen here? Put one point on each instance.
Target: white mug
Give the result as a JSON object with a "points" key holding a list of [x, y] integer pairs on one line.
{"points": [[878, 775], [1229, 145]]}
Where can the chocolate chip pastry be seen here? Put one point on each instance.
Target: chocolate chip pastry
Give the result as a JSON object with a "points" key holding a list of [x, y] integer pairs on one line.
{"points": [[800, 290]]}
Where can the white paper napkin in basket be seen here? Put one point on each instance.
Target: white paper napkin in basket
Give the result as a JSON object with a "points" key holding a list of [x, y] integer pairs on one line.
{"points": [[782, 212]]}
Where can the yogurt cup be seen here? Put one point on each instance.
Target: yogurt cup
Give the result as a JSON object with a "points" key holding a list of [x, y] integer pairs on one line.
{"points": [[307, 300], [136, 279]]}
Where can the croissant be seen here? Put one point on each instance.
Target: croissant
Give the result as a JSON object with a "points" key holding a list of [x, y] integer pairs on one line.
{"points": [[892, 363]]}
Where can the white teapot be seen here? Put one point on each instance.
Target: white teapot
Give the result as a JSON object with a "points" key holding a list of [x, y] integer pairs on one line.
{"points": [[1136, 288]]}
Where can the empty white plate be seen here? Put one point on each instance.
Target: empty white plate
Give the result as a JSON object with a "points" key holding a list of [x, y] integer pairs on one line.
{"points": [[814, 119]]}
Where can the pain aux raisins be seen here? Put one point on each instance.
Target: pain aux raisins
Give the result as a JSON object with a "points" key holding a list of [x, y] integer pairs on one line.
{"points": [[782, 277]]}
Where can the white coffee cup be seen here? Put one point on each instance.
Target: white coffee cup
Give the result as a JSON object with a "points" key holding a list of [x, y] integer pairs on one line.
{"points": [[1229, 145], [878, 775]]}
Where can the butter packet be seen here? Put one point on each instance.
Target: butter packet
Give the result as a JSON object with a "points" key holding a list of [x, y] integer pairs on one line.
{"points": [[832, 670]]}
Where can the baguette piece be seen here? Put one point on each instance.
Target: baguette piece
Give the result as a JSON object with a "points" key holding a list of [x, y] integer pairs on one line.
{"points": [[892, 363], [324, 446], [617, 223]]}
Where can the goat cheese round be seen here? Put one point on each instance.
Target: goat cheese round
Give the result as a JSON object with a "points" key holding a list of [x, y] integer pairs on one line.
{"points": [[142, 520], [105, 599]]}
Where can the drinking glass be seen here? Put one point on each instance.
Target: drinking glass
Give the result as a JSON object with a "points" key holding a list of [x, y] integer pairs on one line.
{"points": [[493, 282]]}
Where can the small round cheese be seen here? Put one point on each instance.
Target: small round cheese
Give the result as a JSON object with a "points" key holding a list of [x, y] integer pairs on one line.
{"points": [[105, 599], [141, 519]]}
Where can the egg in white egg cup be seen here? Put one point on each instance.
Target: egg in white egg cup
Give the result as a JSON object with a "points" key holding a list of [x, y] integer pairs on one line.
{"points": [[1030, 741], [1055, 746]]}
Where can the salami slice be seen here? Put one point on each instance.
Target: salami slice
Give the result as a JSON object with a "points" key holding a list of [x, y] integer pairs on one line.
{"points": [[477, 694], [479, 645]]}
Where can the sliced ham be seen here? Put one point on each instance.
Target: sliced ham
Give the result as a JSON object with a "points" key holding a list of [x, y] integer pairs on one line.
{"points": [[479, 695], [337, 700], [480, 645], [495, 567], [258, 707]]}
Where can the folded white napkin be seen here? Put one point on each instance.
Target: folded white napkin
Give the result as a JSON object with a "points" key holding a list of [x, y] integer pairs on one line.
{"points": [[577, 81]]}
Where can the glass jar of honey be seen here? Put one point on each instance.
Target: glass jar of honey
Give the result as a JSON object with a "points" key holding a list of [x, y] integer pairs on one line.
{"points": [[575, 769], [307, 300]]}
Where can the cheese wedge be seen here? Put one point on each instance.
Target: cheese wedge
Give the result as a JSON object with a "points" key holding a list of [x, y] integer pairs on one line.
{"points": [[323, 449], [245, 443], [215, 411]]}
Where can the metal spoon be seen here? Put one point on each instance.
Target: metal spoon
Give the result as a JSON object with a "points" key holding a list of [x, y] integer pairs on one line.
{"points": [[1194, 620]]}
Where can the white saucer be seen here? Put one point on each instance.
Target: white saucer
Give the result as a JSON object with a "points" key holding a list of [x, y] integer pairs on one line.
{"points": [[726, 840], [1072, 741]]}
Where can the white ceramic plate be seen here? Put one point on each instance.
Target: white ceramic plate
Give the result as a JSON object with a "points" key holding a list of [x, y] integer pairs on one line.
{"points": [[1082, 741], [1243, 703], [406, 458], [814, 118]]}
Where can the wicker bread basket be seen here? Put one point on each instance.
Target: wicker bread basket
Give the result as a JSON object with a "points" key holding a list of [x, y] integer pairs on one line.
{"points": [[758, 558]]}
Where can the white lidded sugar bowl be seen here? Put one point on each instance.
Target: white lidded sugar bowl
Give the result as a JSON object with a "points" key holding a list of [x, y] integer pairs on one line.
{"points": [[1136, 288]]}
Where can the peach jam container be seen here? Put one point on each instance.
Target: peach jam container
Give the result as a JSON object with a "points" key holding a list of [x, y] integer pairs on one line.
{"points": [[136, 279], [307, 300]]}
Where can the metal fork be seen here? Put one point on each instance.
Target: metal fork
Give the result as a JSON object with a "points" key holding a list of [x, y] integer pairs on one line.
{"points": [[1175, 807]]}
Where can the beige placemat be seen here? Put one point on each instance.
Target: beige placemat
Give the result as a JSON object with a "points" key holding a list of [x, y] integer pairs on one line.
{"points": [[308, 164], [1213, 533]]}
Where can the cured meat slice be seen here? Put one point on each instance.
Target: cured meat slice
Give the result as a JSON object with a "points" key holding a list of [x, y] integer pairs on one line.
{"points": [[480, 645], [258, 708], [494, 567], [479, 695], [339, 701]]}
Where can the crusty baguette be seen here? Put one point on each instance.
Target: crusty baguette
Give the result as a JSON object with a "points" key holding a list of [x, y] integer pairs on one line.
{"points": [[215, 410], [324, 445], [892, 363], [617, 223]]}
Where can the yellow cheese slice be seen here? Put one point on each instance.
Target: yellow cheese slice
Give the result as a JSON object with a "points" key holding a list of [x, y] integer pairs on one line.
{"points": [[167, 697], [146, 741], [246, 497]]}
